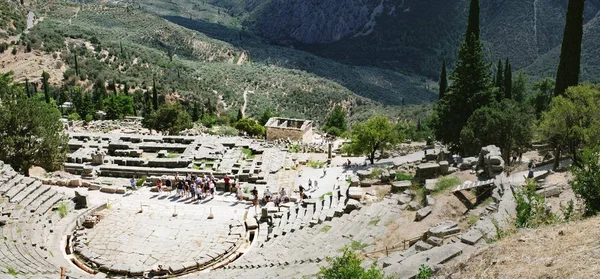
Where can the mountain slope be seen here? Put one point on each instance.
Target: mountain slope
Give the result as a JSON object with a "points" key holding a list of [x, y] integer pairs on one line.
{"points": [[410, 35]]}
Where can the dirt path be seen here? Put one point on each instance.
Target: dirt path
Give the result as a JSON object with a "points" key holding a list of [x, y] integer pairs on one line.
{"points": [[245, 102]]}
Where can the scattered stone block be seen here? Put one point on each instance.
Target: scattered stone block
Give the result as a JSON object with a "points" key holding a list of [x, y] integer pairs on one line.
{"points": [[76, 182], [422, 213], [3, 220], [430, 184], [251, 224], [108, 189], [352, 205], [120, 190], [427, 170], [81, 200], [362, 174], [163, 154], [435, 241], [354, 181], [414, 205], [552, 191], [471, 237], [430, 200], [404, 199], [356, 193], [369, 182], [399, 186], [444, 229], [422, 246]]}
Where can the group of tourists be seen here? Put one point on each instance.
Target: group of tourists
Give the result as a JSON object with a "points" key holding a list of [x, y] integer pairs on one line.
{"points": [[192, 186]]}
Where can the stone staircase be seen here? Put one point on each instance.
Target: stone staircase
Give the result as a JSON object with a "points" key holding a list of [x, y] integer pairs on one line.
{"points": [[26, 224]]}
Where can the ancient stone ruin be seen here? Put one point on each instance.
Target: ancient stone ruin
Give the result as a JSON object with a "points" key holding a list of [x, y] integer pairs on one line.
{"points": [[289, 129]]}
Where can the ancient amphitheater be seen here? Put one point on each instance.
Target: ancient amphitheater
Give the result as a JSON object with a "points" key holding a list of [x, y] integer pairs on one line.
{"points": [[86, 223]]}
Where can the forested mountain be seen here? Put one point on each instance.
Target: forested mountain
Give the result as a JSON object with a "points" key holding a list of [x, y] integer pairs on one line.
{"points": [[414, 36]]}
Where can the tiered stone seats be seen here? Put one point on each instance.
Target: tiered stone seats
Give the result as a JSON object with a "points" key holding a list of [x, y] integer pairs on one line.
{"points": [[26, 206], [300, 244]]}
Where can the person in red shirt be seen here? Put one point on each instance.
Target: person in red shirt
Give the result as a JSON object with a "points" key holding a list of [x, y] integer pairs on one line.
{"points": [[227, 184]]}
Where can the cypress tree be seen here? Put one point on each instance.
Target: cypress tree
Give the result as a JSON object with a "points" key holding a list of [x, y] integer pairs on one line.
{"points": [[27, 88], [76, 64], [508, 80], [45, 77], [473, 24], [240, 115], [154, 94], [570, 55], [499, 81], [443, 81]]}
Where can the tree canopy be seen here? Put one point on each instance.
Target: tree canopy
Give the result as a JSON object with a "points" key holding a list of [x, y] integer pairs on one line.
{"points": [[250, 127], [376, 134], [573, 121], [336, 123], [169, 118], [31, 133]]}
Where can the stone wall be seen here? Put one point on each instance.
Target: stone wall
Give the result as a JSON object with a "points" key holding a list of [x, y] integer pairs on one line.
{"points": [[294, 129]]}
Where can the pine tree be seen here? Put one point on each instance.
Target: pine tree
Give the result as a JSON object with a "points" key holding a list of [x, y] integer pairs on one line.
{"points": [[570, 56], [154, 94], [45, 77], [469, 89], [443, 81], [508, 80]]}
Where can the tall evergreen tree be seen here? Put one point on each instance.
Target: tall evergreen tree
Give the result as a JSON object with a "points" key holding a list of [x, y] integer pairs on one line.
{"points": [[469, 89], [240, 115], [570, 56], [27, 88], [45, 77], [76, 64], [473, 24], [443, 81], [154, 94], [508, 80], [499, 80]]}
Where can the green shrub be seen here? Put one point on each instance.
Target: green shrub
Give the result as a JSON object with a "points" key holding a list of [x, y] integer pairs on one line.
{"points": [[248, 153], [73, 117], [316, 164], [348, 265], [140, 181], [63, 209], [400, 176], [586, 183], [12, 271], [357, 245], [376, 173], [531, 209], [425, 272]]}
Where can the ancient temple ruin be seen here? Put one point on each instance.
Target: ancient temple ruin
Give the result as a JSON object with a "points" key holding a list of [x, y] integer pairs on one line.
{"points": [[287, 128]]}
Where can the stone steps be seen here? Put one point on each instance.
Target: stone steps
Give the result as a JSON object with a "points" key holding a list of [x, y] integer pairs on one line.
{"points": [[10, 184], [33, 195]]}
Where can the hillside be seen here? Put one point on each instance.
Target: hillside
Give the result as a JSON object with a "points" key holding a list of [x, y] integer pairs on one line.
{"points": [[565, 251], [126, 45], [414, 36]]}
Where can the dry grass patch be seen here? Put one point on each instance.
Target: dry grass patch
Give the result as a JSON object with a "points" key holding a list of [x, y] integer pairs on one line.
{"points": [[565, 251]]}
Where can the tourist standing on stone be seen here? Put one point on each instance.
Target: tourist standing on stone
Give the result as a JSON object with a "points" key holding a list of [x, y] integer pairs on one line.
{"points": [[159, 186], [198, 191], [227, 185], [316, 183], [193, 190], [132, 182], [267, 195], [240, 194], [531, 167], [168, 184], [212, 189], [309, 183], [180, 188], [255, 198]]}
